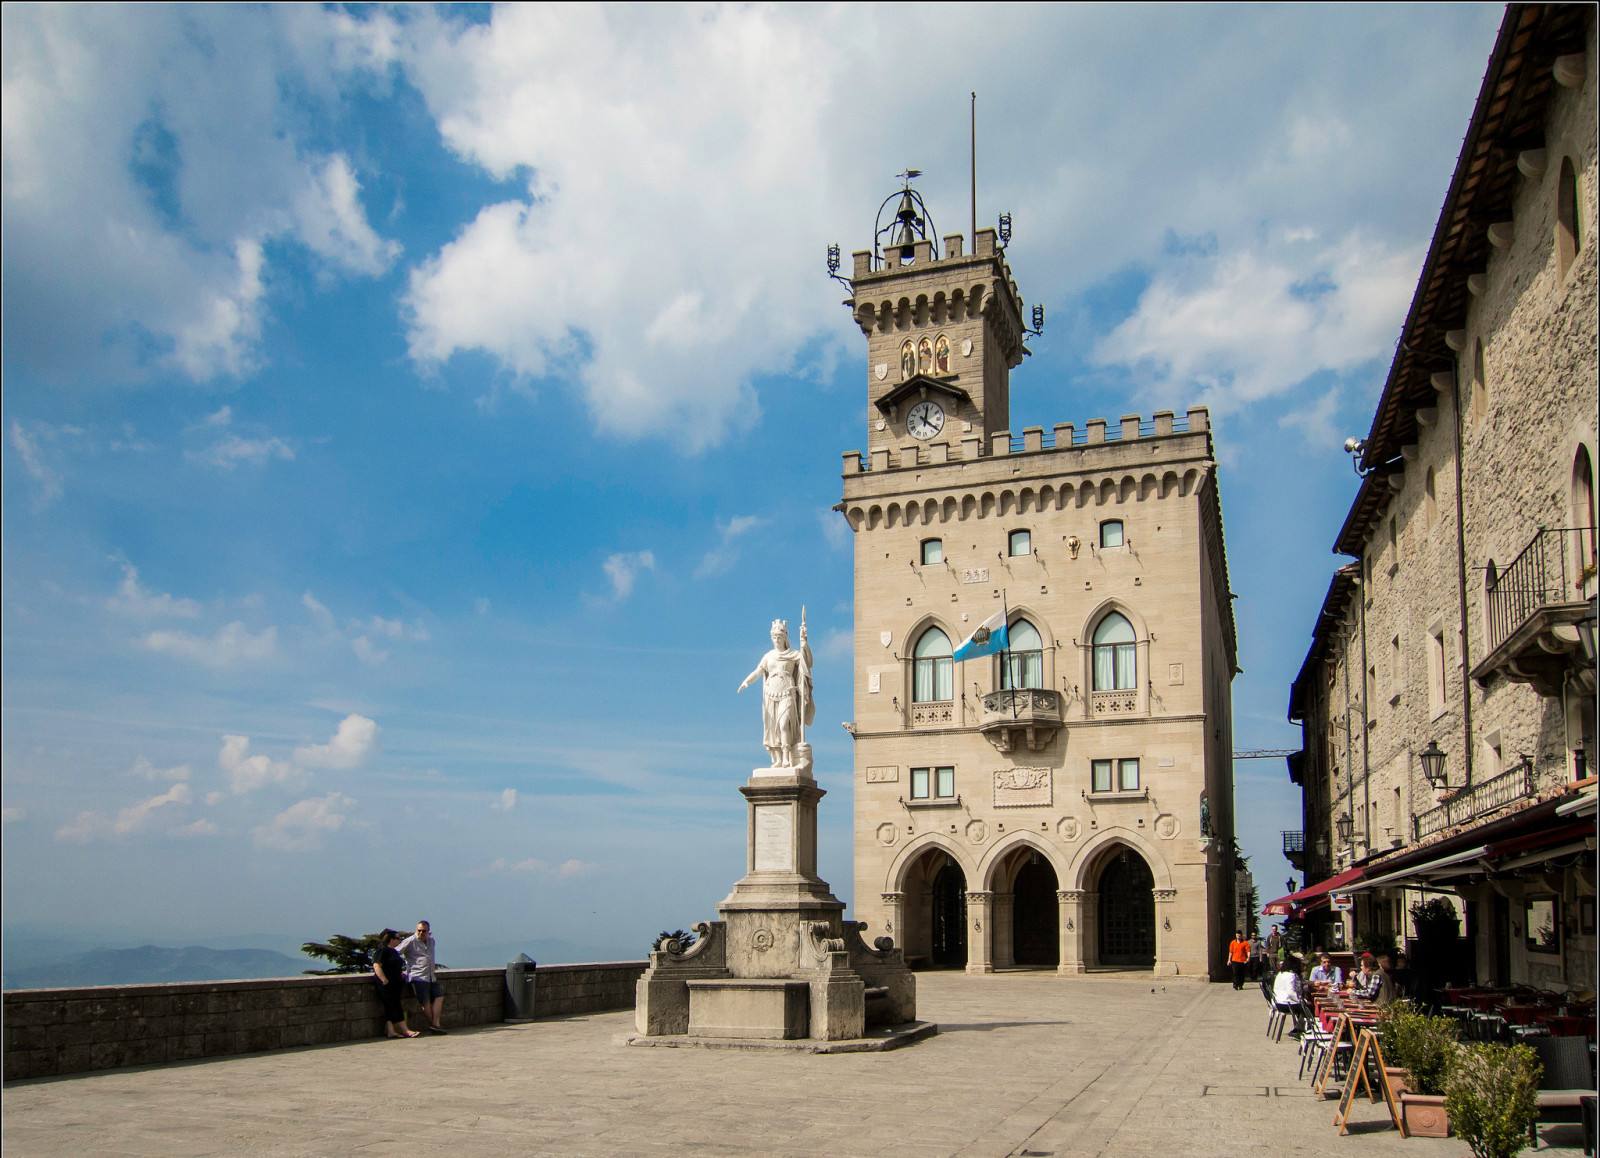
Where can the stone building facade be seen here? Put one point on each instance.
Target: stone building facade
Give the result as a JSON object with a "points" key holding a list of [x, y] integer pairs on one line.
{"points": [[1456, 629], [1064, 804]]}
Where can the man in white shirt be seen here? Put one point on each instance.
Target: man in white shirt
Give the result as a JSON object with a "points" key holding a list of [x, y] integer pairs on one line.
{"points": [[418, 951]]}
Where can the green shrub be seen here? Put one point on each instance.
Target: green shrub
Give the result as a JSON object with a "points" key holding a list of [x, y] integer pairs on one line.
{"points": [[1423, 1046], [1376, 943], [1492, 1098], [1436, 919]]}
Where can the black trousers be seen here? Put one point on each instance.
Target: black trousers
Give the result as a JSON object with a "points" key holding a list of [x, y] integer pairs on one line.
{"points": [[1238, 974], [390, 996]]}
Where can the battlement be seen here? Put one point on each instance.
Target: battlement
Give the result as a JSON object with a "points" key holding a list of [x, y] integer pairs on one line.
{"points": [[1033, 439]]}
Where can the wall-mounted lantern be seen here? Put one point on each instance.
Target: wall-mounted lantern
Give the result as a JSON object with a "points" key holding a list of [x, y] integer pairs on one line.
{"points": [[1433, 764], [1343, 826]]}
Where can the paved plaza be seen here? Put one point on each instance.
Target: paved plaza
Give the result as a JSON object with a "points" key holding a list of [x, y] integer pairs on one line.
{"points": [[1025, 1064]]}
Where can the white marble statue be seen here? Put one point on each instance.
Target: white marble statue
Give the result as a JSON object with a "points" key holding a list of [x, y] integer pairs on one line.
{"points": [[786, 703]]}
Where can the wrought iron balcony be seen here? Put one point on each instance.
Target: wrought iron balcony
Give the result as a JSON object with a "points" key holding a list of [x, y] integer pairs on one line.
{"points": [[1294, 849], [1533, 607], [1479, 800], [1032, 715]]}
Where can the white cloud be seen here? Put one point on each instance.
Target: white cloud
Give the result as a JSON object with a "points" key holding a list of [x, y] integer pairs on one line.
{"points": [[10, 815], [142, 767], [234, 644], [151, 156], [158, 813], [837, 644], [301, 827], [624, 568], [233, 450], [567, 868], [721, 558], [218, 418], [834, 529], [361, 633], [352, 745], [46, 481], [507, 801], [132, 599], [1249, 325], [246, 773], [138, 817]]}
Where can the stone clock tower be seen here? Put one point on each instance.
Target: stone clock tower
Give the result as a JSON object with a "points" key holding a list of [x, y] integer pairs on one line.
{"points": [[1064, 803], [944, 329]]}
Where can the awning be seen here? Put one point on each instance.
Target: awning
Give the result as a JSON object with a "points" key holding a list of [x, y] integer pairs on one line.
{"points": [[1285, 906], [1458, 863], [1426, 869]]}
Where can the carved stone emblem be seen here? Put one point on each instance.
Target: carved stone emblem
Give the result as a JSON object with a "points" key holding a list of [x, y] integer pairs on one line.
{"points": [[885, 774], [885, 637], [881, 370], [761, 940], [1068, 828], [977, 831], [1021, 787], [888, 834], [1167, 826], [966, 347]]}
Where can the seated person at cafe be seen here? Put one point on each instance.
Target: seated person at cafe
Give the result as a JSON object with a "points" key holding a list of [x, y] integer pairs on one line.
{"points": [[1401, 975], [1325, 972], [1387, 991], [1367, 983], [1288, 994]]}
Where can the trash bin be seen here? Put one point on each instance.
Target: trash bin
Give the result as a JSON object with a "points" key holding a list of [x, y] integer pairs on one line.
{"points": [[519, 988]]}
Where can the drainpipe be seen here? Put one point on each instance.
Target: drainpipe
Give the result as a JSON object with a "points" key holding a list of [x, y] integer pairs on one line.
{"points": [[1366, 742], [1461, 590], [1349, 743]]}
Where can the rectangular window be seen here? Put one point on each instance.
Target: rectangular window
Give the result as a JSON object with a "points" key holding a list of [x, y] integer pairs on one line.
{"points": [[1021, 543], [1436, 686], [1102, 776], [1111, 533], [1128, 775], [1542, 917], [944, 782], [919, 783], [1396, 670], [932, 551], [933, 783]]}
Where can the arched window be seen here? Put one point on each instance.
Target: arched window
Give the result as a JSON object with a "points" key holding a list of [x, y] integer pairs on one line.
{"points": [[1023, 663], [932, 552], [1019, 543], [1115, 668], [1583, 513], [1569, 238], [1480, 385], [1111, 533], [1430, 502], [932, 670]]}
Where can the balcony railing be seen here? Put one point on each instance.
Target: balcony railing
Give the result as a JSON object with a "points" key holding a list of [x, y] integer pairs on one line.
{"points": [[934, 714], [1109, 705], [1479, 800], [1031, 714], [1294, 848], [1557, 567]]}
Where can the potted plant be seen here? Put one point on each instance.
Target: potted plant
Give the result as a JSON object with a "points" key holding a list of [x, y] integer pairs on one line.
{"points": [[1426, 1048], [1492, 1097], [1395, 1025]]}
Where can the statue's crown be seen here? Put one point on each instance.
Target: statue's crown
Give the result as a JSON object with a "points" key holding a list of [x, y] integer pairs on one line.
{"points": [[781, 625]]}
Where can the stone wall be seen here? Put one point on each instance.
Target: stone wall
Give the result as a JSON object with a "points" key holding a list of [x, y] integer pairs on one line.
{"points": [[63, 1031]]}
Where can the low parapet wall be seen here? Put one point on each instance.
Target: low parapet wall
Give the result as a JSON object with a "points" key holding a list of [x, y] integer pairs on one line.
{"points": [[64, 1031]]}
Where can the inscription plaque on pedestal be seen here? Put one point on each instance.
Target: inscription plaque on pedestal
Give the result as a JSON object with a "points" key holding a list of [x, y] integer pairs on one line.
{"points": [[774, 838]]}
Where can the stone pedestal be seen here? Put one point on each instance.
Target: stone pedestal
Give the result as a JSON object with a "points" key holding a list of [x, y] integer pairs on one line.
{"points": [[782, 965]]}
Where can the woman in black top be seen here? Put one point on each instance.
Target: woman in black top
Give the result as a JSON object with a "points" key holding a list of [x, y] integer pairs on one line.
{"points": [[389, 973]]}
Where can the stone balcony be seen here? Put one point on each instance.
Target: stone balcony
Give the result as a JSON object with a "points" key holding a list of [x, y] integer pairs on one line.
{"points": [[1534, 606], [1029, 715]]}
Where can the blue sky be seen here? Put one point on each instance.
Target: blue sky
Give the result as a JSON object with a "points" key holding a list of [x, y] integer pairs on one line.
{"points": [[414, 417]]}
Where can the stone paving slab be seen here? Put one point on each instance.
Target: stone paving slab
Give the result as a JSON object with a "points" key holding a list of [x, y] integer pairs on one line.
{"points": [[1023, 1064]]}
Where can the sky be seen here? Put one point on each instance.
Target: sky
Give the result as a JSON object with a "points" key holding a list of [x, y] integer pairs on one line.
{"points": [[413, 417]]}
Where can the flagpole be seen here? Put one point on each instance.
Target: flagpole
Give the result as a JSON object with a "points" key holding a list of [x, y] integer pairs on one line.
{"points": [[1005, 652], [807, 669]]}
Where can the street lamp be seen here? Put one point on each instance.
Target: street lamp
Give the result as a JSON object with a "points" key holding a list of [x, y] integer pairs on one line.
{"points": [[1322, 848], [1433, 764], [1343, 826]]}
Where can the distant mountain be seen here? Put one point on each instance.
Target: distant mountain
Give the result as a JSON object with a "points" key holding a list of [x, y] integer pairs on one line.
{"points": [[150, 964], [546, 951]]}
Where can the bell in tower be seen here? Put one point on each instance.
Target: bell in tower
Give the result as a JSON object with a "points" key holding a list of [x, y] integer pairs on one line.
{"points": [[944, 328]]}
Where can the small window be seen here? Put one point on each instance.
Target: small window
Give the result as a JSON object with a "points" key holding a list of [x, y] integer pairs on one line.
{"points": [[1436, 684], [1430, 502], [1480, 384], [1102, 776], [932, 551], [944, 782], [919, 783], [1111, 533], [933, 783], [1542, 924], [1021, 543], [1128, 775], [1569, 238]]}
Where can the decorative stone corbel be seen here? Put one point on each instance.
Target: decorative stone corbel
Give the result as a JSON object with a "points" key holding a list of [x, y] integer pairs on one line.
{"points": [[1477, 284], [1444, 382], [1427, 416], [1568, 70], [1532, 162], [1456, 340], [1502, 234]]}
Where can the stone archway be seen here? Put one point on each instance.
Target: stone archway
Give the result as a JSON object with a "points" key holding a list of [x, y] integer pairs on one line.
{"points": [[1035, 914], [1125, 910], [930, 908]]}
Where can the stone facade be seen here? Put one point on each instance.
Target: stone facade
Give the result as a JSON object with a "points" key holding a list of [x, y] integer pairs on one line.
{"points": [[63, 1031], [1059, 816], [1455, 628]]}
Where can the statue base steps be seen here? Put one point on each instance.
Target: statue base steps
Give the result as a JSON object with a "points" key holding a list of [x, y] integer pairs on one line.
{"points": [[875, 1040]]}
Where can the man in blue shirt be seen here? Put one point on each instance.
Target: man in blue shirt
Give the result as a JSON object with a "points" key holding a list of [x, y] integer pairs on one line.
{"points": [[1327, 973]]}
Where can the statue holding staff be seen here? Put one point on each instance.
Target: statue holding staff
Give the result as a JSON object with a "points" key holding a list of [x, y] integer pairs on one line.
{"points": [[786, 703]]}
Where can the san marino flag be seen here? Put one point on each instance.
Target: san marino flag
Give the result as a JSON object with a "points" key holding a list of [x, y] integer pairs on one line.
{"points": [[990, 637]]}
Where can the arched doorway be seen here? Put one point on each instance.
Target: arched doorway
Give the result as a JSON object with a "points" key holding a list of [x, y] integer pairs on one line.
{"points": [[949, 916], [1035, 914], [1127, 911]]}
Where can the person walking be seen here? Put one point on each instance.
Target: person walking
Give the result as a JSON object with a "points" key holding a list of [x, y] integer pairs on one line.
{"points": [[1238, 957], [1258, 959], [388, 973], [421, 965]]}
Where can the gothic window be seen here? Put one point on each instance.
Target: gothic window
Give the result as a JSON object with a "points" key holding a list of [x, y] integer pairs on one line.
{"points": [[908, 360], [1023, 664], [1568, 237], [932, 551], [1111, 533], [941, 355], [932, 669], [1583, 513], [1115, 667], [924, 357], [1019, 543]]}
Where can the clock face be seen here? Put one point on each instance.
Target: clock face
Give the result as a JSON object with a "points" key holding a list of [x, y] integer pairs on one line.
{"points": [[925, 420]]}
